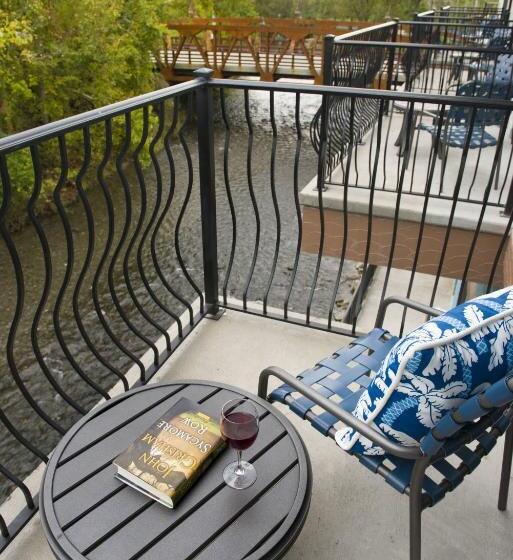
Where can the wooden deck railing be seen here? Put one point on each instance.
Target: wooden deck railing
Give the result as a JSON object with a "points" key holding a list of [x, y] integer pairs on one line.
{"points": [[270, 48]]}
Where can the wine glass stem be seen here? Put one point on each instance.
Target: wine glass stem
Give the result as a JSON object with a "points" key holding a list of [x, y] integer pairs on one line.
{"points": [[239, 471]]}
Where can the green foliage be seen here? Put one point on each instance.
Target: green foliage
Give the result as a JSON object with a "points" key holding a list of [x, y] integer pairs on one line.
{"points": [[363, 10], [276, 8], [210, 8], [63, 57], [235, 8]]}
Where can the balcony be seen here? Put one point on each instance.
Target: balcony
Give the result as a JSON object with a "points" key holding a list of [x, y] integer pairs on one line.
{"points": [[294, 208], [232, 350]]}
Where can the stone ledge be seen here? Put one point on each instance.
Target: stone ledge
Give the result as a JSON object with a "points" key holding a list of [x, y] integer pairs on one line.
{"points": [[466, 214]]}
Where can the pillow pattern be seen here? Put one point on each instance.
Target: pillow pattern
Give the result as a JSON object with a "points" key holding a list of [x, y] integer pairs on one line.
{"points": [[433, 369]]}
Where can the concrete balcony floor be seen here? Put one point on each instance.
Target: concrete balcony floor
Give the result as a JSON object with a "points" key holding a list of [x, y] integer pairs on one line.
{"points": [[354, 514], [476, 166]]}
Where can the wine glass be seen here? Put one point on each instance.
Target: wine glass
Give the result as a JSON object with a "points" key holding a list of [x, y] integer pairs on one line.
{"points": [[239, 427]]}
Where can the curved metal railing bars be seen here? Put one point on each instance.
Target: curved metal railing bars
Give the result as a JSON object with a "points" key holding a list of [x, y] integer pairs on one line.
{"points": [[353, 65], [430, 57], [80, 285], [331, 228]]}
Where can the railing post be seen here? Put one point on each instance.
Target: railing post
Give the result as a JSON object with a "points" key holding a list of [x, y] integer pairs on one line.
{"points": [[205, 125], [391, 59], [324, 140], [327, 60]]}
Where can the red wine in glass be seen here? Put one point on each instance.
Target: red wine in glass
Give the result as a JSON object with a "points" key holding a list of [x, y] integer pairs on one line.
{"points": [[239, 427], [240, 430]]}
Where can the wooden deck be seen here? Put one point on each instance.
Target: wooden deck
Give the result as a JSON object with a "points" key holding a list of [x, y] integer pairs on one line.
{"points": [[270, 48]]}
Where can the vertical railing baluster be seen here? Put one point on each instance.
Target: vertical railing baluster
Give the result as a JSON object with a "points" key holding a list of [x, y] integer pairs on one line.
{"points": [[100, 175], [455, 197], [431, 171], [204, 109], [274, 200], [368, 268], [297, 155], [70, 265], [345, 228], [185, 202], [76, 303], [20, 299], [125, 229], [508, 206], [321, 159], [47, 282], [152, 224], [391, 61], [407, 150], [166, 206], [229, 196], [254, 204]]}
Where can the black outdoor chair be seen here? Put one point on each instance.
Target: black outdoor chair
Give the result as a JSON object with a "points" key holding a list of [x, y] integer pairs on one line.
{"points": [[335, 385], [458, 121]]}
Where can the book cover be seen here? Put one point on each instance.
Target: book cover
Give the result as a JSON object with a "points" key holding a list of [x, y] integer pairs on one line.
{"points": [[166, 459]]}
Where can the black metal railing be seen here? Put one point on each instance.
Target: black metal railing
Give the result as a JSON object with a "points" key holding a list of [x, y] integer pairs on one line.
{"points": [[490, 34], [195, 198], [93, 284], [467, 13], [349, 61], [434, 65]]}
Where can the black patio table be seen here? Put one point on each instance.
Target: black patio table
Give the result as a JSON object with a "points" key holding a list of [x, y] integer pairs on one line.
{"points": [[87, 513]]}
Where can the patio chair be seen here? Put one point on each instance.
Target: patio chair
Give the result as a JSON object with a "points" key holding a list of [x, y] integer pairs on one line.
{"points": [[474, 64], [456, 126], [457, 118], [407, 408], [496, 71]]}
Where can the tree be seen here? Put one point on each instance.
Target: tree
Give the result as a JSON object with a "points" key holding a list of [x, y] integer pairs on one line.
{"points": [[210, 8], [362, 10], [63, 57], [276, 8], [66, 56]]}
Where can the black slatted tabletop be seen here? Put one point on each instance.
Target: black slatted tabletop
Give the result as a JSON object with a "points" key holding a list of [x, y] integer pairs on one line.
{"points": [[87, 513]]}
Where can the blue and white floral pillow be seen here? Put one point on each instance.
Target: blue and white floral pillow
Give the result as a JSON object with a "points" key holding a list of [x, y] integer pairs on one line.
{"points": [[434, 369]]}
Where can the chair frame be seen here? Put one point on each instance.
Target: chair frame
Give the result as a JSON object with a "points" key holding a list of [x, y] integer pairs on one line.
{"points": [[422, 458]]}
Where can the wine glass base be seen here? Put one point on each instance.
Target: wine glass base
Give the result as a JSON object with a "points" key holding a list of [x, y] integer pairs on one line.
{"points": [[239, 481]]}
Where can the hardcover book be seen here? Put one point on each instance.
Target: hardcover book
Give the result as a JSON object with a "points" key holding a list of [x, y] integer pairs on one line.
{"points": [[166, 459]]}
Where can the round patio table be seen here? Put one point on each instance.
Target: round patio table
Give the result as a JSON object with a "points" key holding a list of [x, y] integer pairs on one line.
{"points": [[88, 514]]}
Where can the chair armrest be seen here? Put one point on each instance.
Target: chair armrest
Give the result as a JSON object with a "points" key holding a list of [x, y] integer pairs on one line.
{"points": [[405, 302], [369, 432], [457, 84]]}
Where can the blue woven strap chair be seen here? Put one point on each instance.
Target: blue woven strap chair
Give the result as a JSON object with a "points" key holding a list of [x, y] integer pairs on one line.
{"points": [[329, 396]]}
